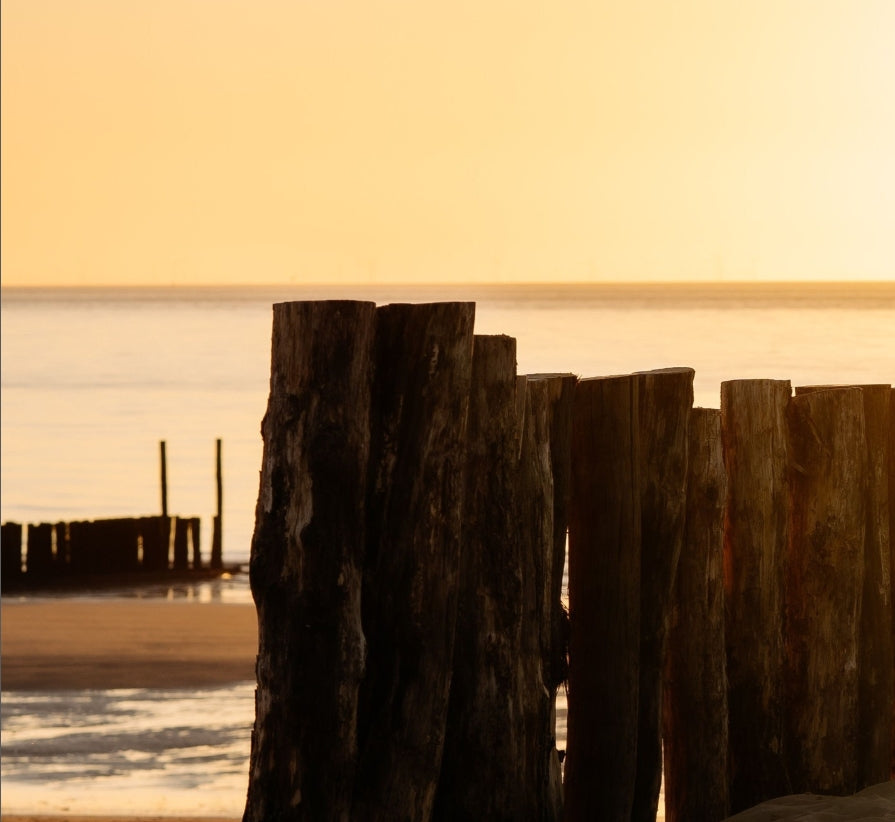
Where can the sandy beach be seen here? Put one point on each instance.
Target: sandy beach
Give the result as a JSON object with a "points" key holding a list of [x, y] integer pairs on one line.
{"points": [[77, 644]]}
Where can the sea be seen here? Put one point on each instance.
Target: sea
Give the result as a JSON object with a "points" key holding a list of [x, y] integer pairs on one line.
{"points": [[94, 379]]}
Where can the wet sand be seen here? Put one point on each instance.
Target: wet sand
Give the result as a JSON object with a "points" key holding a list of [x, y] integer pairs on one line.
{"points": [[79, 644]]}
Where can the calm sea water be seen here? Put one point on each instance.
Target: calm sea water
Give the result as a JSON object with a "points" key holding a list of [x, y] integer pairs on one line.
{"points": [[92, 379]]}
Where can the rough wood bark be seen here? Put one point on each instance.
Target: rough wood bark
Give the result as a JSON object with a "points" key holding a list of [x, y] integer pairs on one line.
{"points": [[306, 562], [665, 398], [604, 601], [695, 695], [875, 664], [824, 586], [753, 434], [485, 740], [414, 517]]}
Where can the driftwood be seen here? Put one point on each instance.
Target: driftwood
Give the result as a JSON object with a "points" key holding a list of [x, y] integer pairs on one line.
{"points": [[695, 697], [824, 587], [604, 601], [754, 439], [665, 398]]}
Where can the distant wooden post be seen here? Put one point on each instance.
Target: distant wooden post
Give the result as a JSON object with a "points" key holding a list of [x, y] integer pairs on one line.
{"points": [[164, 460], [39, 559], [181, 543], [306, 562], [61, 558], [892, 547], [195, 540], [10, 552], [414, 519], [753, 432], [695, 698], [824, 587], [665, 398], [217, 531], [604, 600]]}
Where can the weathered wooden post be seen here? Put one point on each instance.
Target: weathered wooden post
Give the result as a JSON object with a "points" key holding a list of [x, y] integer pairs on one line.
{"points": [[695, 697], [604, 600], [665, 398], [756, 534], [824, 586], [875, 645], [79, 545], [10, 552], [892, 547], [39, 556], [61, 559], [156, 534], [217, 529], [414, 518], [307, 560], [485, 740]]}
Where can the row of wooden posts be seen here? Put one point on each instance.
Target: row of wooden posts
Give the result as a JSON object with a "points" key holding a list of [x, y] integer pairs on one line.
{"points": [[729, 582], [102, 547]]}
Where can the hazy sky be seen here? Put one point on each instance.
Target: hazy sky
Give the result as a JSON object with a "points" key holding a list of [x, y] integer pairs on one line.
{"points": [[198, 141]]}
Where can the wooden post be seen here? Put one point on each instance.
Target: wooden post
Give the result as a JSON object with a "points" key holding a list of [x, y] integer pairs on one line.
{"points": [[156, 534], [824, 586], [217, 535], [892, 548], [875, 665], [485, 742], [414, 518], [61, 559], [181, 544], [306, 562], [164, 460], [195, 540], [695, 696], [604, 601], [39, 558], [665, 398], [10, 552], [753, 433]]}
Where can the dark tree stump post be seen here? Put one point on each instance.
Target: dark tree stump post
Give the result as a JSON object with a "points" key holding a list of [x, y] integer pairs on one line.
{"points": [[414, 518], [875, 664], [695, 697], [307, 560], [824, 586], [485, 741], [604, 601], [665, 398], [753, 433], [10, 552]]}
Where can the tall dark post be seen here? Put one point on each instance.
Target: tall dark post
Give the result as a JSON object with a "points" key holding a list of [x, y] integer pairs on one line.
{"points": [[217, 531], [164, 479]]}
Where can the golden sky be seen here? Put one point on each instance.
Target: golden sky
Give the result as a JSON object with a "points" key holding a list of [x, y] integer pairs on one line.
{"points": [[271, 141]]}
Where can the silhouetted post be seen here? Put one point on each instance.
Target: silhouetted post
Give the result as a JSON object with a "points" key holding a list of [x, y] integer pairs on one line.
{"points": [[485, 739], [156, 534], [665, 398], [414, 518], [695, 698], [10, 552], [824, 587], [164, 460], [61, 558], [307, 559], [604, 600], [39, 560], [217, 531], [181, 543], [754, 438], [892, 547], [195, 535]]}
